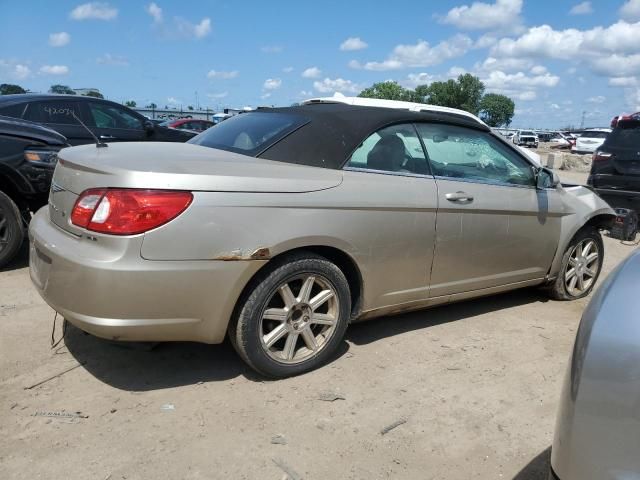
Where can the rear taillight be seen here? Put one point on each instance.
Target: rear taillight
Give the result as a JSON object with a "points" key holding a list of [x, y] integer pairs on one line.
{"points": [[599, 156], [127, 211]]}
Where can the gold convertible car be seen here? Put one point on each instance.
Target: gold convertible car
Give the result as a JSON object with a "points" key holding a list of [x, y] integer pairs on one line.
{"points": [[279, 227]]}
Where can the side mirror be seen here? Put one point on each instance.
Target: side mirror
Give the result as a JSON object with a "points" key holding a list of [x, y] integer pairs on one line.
{"points": [[547, 178], [149, 127]]}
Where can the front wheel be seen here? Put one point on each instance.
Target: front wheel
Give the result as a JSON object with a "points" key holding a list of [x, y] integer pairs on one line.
{"points": [[294, 317], [581, 266]]}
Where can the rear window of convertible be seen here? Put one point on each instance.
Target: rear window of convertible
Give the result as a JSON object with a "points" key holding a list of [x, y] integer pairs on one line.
{"points": [[249, 133]]}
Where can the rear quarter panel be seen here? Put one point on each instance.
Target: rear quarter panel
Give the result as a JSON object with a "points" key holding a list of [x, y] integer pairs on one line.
{"points": [[385, 223]]}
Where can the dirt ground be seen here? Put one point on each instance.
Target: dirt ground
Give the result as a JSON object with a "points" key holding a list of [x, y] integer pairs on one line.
{"points": [[476, 385]]}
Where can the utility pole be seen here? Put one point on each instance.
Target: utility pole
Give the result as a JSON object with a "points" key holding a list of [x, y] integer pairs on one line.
{"points": [[582, 121]]}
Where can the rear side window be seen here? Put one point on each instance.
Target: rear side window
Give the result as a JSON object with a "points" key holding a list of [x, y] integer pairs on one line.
{"points": [[53, 112], [15, 111], [249, 133], [626, 135], [109, 116]]}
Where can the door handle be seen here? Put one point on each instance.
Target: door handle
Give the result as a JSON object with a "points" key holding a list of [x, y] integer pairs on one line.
{"points": [[107, 137], [461, 197]]}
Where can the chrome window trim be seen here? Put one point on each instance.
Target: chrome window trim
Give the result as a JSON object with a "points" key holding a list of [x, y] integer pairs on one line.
{"points": [[386, 172], [485, 182]]}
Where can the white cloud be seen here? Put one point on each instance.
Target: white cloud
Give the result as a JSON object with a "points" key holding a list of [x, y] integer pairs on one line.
{"points": [[630, 10], [216, 96], [455, 72], [113, 60], [420, 55], [173, 101], [485, 41], [596, 99], [610, 51], [196, 30], [538, 70], [554, 106], [59, 39], [353, 43], [222, 75], [311, 72], [505, 64], [415, 79], [305, 93], [518, 85], [503, 14], [265, 95], [582, 8], [544, 41], [287, 69], [617, 65], [272, 49], [94, 11], [54, 69], [341, 85], [16, 71], [272, 84], [155, 11], [623, 81]]}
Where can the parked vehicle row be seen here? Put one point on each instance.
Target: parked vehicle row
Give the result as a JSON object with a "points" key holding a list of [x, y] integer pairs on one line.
{"points": [[27, 159], [109, 121], [34, 127], [273, 230]]}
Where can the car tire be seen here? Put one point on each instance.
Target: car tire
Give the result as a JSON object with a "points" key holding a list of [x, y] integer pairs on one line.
{"points": [[579, 271], [275, 329], [11, 229]]}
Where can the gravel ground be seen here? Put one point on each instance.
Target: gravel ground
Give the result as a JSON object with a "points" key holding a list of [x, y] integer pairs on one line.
{"points": [[465, 391]]}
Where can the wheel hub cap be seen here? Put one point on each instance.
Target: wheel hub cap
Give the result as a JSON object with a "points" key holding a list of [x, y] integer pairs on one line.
{"points": [[299, 319]]}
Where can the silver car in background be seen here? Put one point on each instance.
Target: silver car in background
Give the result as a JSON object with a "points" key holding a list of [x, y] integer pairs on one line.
{"points": [[279, 227], [598, 427]]}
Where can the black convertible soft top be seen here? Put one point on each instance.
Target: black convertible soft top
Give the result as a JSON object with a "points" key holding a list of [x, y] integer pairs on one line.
{"points": [[334, 130]]}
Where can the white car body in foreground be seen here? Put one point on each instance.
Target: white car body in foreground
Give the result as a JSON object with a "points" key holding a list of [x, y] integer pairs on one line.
{"points": [[590, 140]]}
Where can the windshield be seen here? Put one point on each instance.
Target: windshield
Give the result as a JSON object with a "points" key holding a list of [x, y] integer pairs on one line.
{"points": [[166, 123], [527, 133], [249, 133], [595, 134]]}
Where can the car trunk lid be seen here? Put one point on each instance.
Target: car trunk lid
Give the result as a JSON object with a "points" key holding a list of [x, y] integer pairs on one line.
{"points": [[174, 166]]}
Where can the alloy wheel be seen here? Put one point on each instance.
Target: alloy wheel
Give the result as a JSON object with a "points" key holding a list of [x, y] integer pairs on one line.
{"points": [[299, 319], [582, 268]]}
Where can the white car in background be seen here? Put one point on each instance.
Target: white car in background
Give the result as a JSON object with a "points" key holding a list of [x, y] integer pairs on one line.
{"points": [[590, 140], [526, 138]]}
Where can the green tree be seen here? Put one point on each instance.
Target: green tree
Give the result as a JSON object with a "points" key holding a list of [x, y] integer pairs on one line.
{"points": [[464, 93], [388, 91], [496, 110], [61, 89], [190, 107], [10, 89], [152, 106], [132, 104], [93, 93]]}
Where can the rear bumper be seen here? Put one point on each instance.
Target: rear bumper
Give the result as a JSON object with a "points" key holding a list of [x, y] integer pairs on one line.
{"points": [[108, 290], [620, 198]]}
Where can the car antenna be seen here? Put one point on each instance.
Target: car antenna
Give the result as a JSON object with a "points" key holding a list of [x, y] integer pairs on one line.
{"points": [[99, 144]]}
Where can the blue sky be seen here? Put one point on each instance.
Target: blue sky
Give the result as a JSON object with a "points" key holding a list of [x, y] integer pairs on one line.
{"points": [[557, 59]]}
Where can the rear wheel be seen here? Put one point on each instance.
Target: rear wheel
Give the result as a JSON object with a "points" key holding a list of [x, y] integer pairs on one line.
{"points": [[581, 266], [11, 230], [294, 318]]}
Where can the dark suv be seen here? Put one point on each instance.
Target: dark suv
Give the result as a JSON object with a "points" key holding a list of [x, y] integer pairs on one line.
{"points": [[109, 121], [27, 159], [615, 170]]}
